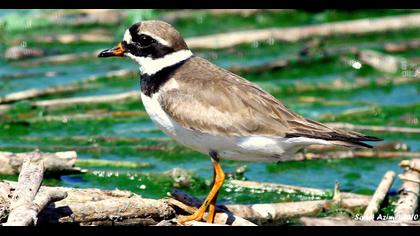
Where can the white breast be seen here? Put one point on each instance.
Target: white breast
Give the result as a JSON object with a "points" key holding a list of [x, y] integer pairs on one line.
{"points": [[251, 148]]}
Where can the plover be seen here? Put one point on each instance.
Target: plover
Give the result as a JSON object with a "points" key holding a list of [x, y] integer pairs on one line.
{"points": [[214, 111]]}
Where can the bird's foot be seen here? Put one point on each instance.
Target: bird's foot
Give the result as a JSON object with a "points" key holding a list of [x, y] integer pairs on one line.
{"points": [[197, 216]]}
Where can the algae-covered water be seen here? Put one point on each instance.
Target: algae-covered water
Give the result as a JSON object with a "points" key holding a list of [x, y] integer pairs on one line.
{"points": [[122, 131]]}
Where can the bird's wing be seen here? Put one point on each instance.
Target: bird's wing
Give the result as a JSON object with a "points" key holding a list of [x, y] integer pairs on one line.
{"points": [[212, 100]]}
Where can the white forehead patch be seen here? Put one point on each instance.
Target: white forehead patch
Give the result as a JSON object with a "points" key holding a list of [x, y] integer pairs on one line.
{"points": [[127, 36]]}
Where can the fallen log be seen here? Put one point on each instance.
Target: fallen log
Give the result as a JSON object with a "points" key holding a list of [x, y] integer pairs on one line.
{"points": [[19, 52], [409, 193], [88, 99], [293, 34], [58, 59], [402, 46], [379, 195], [380, 61], [25, 74], [63, 89], [90, 37], [58, 163], [30, 178], [172, 16], [90, 206], [5, 194], [274, 187], [414, 165], [35, 92], [345, 221], [277, 213], [110, 211]]}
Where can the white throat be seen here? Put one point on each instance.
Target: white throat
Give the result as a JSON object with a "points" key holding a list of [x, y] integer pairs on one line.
{"points": [[150, 66]]}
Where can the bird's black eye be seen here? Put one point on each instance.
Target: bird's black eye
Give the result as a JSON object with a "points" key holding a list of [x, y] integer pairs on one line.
{"points": [[144, 40]]}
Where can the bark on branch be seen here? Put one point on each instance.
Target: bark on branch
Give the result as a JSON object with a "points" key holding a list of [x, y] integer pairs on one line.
{"points": [[379, 195], [100, 207], [409, 193], [30, 178], [293, 34], [58, 163]]}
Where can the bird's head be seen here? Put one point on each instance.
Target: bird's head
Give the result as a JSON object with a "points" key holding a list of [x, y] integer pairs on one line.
{"points": [[153, 44]]}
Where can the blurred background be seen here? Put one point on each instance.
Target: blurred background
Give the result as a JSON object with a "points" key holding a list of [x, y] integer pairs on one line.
{"points": [[361, 73]]}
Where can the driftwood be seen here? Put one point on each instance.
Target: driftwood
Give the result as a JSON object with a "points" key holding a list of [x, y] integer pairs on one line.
{"points": [[345, 221], [375, 128], [87, 99], [93, 37], [87, 17], [172, 16], [101, 207], [55, 163], [409, 193], [58, 59], [293, 34], [276, 213], [92, 115], [5, 194], [35, 92], [23, 74], [19, 52], [414, 165], [190, 204], [274, 187], [379, 195], [402, 46], [380, 61], [30, 178], [63, 89]]}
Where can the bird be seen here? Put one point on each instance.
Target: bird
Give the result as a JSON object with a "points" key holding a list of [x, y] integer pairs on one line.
{"points": [[214, 111]]}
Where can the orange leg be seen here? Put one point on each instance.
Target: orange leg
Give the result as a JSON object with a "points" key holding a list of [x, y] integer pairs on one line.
{"points": [[212, 207], [219, 178]]}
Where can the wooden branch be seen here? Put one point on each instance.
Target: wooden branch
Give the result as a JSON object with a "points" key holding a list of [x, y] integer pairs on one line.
{"points": [[402, 46], [30, 178], [58, 163], [88, 99], [91, 37], [379, 195], [174, 15], [222, 216], [58, 59], [5, 193], [414, 165], [409, 193], [293, 34], [115, 210], [275, 213], [375, 128], [344, 221], [274, 187], [63, 89], [380, 61], [35, 92], [99, 207]]}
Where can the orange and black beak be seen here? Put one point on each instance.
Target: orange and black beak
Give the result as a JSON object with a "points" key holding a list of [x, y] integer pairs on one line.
{"points": [[118, 51]]}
